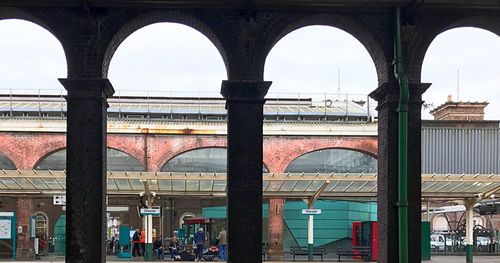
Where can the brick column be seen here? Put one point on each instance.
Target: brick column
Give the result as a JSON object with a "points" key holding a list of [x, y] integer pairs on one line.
{"points": [[387, 96], [25, 208], [245, 101], [275, 231], [86, 169]]}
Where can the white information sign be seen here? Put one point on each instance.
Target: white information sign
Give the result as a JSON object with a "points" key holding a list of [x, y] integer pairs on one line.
{"points": [[5, 229], [311, 211], [150, 211], [59, 200]]}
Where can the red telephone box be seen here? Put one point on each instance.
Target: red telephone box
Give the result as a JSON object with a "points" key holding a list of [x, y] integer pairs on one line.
{"points": [[366, 234]]}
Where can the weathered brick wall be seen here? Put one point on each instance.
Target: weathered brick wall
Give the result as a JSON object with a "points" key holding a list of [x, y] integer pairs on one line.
{"points": [[154, 150]]}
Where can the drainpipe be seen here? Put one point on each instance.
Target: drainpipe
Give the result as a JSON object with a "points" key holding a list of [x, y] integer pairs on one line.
{"points": [[402, 143]]}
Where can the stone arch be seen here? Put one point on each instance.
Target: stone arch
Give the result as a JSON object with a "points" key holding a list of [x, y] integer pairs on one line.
{"points": [[144, 19], [44, 20], [185, 216], [330, 148], [353, 26], [435, 25]]}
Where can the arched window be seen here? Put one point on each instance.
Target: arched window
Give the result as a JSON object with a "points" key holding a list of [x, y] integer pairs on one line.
{"points": [[116, 161], [333, 161], [6, 163], [41, 225], [206, 160]]}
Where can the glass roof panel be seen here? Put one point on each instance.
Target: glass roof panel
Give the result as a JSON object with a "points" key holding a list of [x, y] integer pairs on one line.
{"points": [[355, 186], [111, 184], [274, 186], [192, 185], [24, 183], [435, 187], [10, 183], [136, 184], [450, 186], [288, 185], [219, 186], [264, 185], [123, 184], [52, 183], [370, 186], [62, 181], [315, 186], [165, 185], [301, 186], [38, 183], [341, 187], [178, 185], [206, 186]]}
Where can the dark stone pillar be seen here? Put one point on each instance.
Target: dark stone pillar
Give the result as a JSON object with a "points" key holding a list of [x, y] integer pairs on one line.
{"points": [[276, 226], [245, 101], [86, 169], [387, 96]]}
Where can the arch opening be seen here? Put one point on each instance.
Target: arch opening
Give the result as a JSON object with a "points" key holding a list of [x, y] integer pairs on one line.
{"points": [[465, 64], [334, 160], [167, 59], [116, 161], [32, 59], [6, 163]]}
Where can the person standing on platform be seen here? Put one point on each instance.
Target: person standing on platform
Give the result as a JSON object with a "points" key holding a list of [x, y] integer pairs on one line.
{"points": [[136, 238], [199, 239], [143, 242], [222, 242]]}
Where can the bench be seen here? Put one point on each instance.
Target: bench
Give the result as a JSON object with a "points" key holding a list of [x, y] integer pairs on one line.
{"points": [[302, 251], [364, 253]]}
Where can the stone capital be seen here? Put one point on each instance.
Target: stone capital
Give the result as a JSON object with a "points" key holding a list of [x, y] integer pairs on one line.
{"points": [[389, 93], [244, 90], [88, 88]]}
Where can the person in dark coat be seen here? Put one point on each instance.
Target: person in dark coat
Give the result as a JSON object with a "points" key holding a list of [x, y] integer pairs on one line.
{"points": [[158, 248], [136, 238]]}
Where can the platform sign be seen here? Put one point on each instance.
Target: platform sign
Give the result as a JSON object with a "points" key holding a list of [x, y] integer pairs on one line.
{"points": [[311, 211], [59, 200], [150, 211]]}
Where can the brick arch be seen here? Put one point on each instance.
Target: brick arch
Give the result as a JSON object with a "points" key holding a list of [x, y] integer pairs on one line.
{"points": [[431, 27], [280, 153], [48, 153], [140, 20], [167, 148], [284, 25], [7, 153], [43, 19], [132, 145]]}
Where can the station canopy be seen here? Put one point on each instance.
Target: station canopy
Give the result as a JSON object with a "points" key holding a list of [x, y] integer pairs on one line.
{"points": [[285, 185]]}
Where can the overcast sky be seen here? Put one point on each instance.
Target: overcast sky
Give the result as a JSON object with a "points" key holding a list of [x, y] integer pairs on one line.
{"points": [[178, 60]]}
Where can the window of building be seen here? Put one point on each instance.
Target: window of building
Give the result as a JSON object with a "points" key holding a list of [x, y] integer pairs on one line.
{"points": [[6, 163], [116, 161], [334, 161]]}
